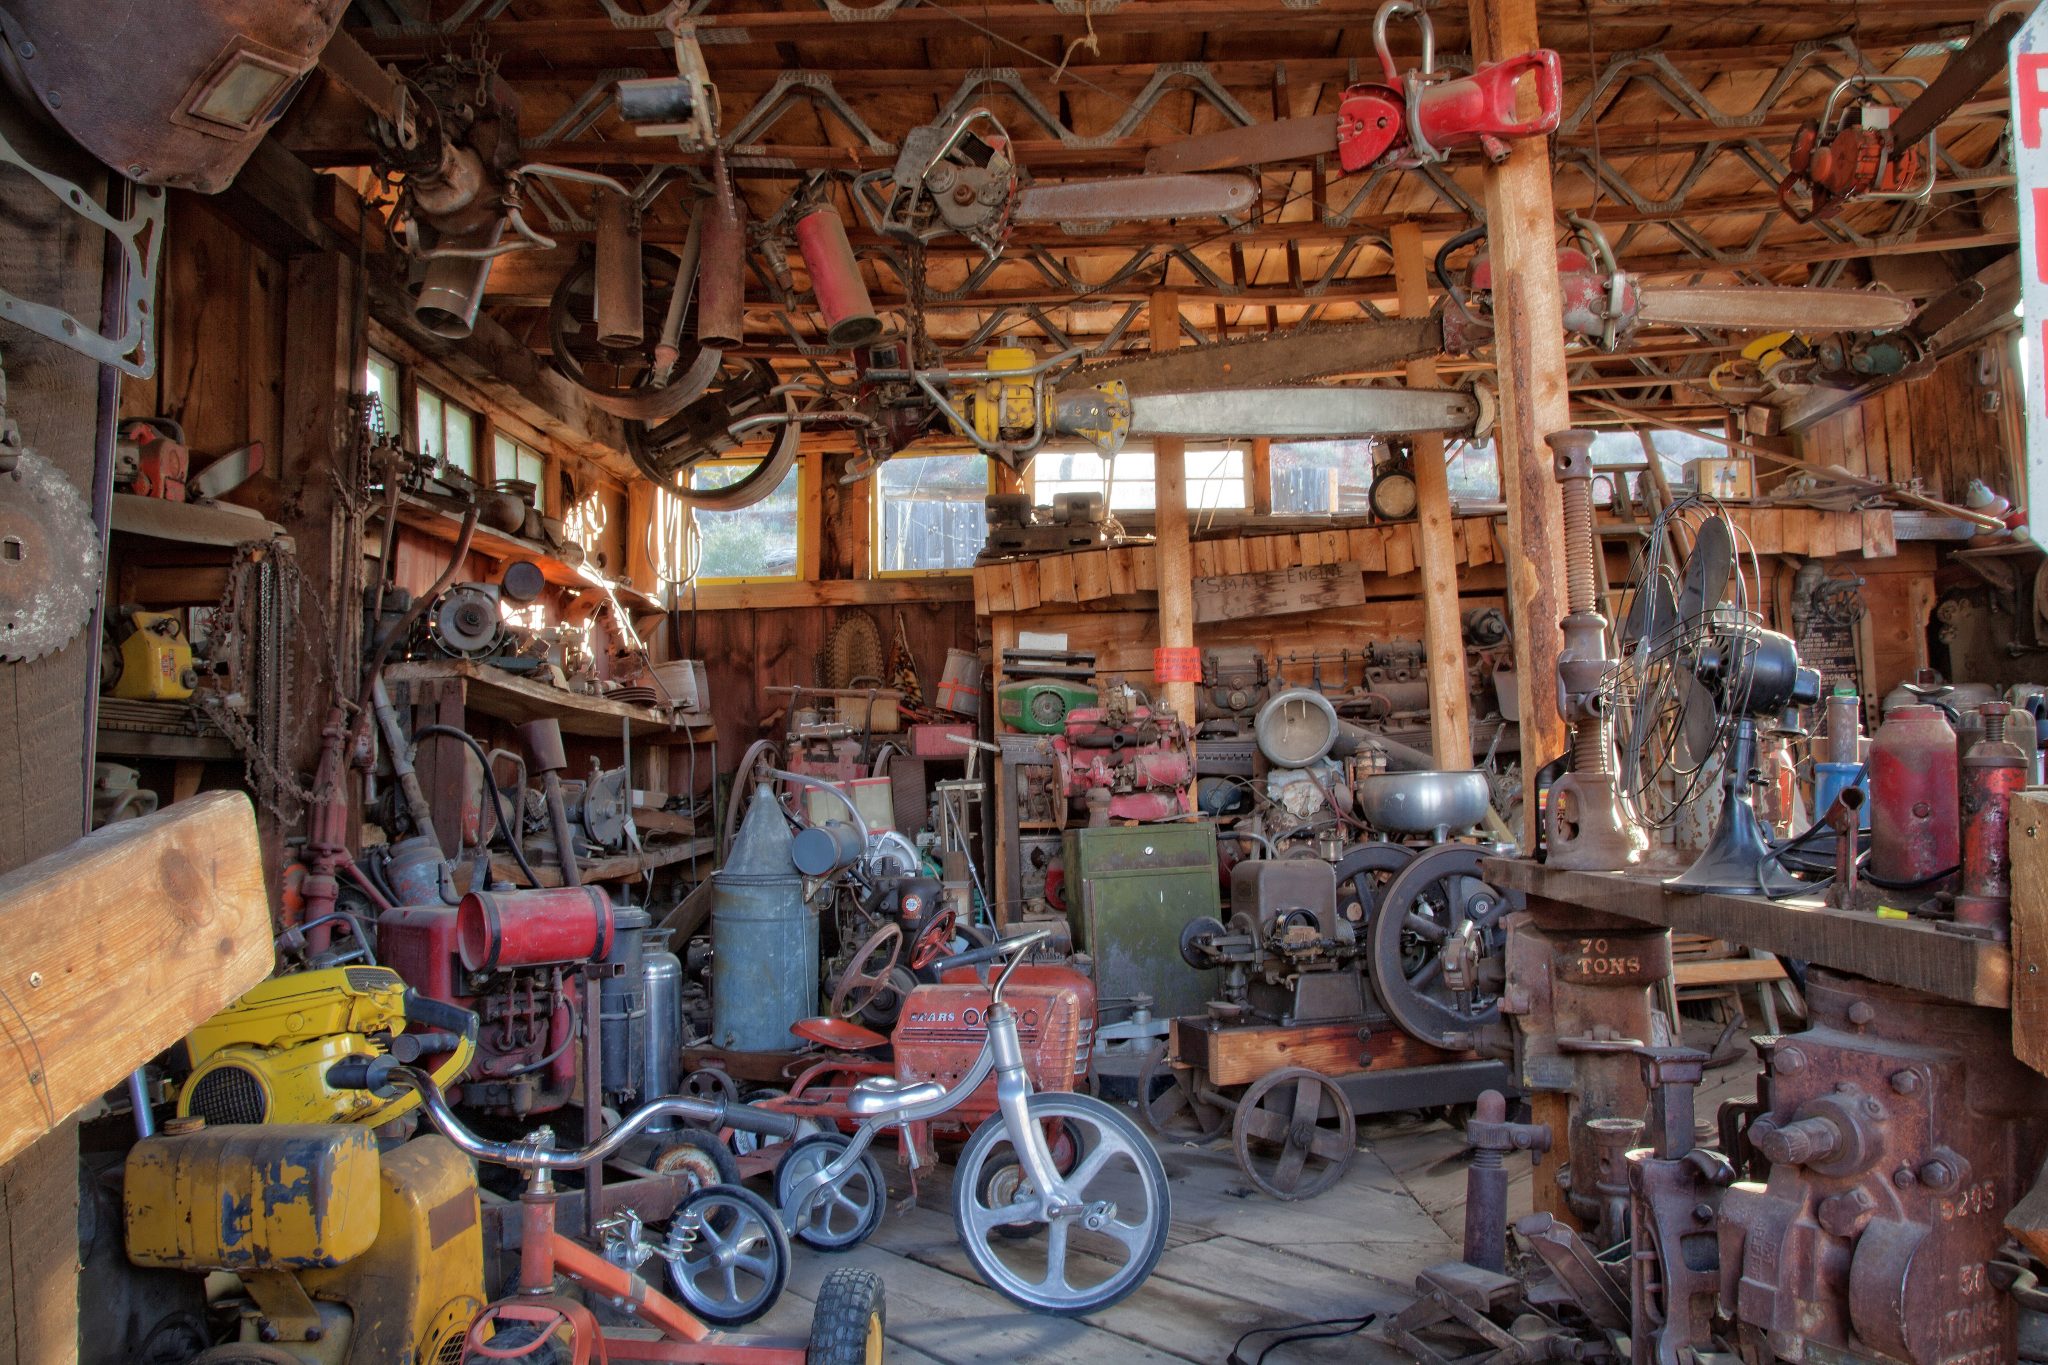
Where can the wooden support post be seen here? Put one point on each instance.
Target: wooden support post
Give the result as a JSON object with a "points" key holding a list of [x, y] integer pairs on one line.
{"points": [[1259, 473], [1170, 528], [1443, 630], [1528, 309]]}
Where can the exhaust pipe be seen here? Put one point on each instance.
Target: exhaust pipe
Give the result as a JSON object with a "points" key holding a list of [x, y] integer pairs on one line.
{"points": [[620, 313], [835, 279], [722, 271]]}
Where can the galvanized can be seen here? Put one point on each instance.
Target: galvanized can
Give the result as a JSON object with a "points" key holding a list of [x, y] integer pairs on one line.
{"points": [[764, 939]]}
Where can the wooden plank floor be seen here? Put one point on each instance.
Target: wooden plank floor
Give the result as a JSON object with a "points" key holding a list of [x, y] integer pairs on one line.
{"points": [[1235, 1260]]}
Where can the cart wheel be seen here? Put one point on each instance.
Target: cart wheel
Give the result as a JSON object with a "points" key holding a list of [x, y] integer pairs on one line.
{"points": [[698, 1153], [737, 1260], [711, 1083], [1294, 1132], [1170, 1104], [839, 1217], [849, 1320]]}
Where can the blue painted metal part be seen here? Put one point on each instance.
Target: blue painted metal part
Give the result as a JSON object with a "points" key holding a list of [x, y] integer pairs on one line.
{"points": [[764, 939]]}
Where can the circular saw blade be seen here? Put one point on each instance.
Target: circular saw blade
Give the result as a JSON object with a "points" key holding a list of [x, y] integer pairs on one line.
{"points": [[49, 560]]}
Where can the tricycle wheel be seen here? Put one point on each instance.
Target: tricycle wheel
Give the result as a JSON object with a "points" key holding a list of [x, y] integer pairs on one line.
{"points": [[698, 1154], [838, 1217], [737, 1260], [848, 1323]]}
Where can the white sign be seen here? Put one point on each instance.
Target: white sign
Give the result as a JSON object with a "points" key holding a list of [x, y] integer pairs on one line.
{"points": [[2029, 73]]}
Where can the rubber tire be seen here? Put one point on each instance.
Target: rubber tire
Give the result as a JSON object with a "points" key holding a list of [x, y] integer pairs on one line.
{"points": [[1044, 1107], [850, 1316], [556, 1352], [707, 1142], [868, 1168], [779, 1247]]}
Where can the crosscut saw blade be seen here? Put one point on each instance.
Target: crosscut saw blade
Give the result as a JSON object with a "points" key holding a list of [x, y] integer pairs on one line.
{"points": [[1793, 308], [49, 560], [1133, 198], [1307, 413], [1273, 359]]}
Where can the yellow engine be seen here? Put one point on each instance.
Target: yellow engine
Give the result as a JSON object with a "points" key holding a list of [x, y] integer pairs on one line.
{"points": [[1013, 402], [348, 1258], [270, 1057], [156, 658]]}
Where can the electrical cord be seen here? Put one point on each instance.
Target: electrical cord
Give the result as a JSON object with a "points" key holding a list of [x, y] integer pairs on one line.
{"points": [[505, 825], [1300, 1331]]}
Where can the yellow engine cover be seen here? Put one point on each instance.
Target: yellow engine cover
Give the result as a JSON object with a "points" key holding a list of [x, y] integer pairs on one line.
{"points": [[265, 1058], [421, 1283], [156, 660], [291, 1009], [252, 1198]]}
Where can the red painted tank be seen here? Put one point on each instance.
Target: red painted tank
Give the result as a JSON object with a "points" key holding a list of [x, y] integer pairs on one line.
{"points": [[1993, 770], [1914, 829]]}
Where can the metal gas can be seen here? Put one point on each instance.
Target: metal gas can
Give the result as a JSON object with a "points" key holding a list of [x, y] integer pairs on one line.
{"points": [[764, 939], [1915, 833], [1993, 770]]}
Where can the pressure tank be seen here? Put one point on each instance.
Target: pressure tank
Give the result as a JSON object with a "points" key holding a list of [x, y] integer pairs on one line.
{"points": [[764, 939], [1914, 829], [662, 973]]}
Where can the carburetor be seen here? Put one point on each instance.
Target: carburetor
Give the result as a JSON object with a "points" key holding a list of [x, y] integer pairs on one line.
{"points": [[1895, 1135]]}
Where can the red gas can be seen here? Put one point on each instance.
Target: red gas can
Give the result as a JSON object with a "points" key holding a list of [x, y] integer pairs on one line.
{"points": [[1915, 835]]}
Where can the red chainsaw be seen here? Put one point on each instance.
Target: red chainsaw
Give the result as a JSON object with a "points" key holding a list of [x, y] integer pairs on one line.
{"points": [[1408, 119]]}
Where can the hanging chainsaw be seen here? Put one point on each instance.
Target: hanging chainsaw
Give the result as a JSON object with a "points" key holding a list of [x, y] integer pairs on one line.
{"points": [[1408, 119]]}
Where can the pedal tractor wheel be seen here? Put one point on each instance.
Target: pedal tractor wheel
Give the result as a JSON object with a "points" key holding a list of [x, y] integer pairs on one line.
{"points": [[838, 1217], [1294, 1133], [849, 1321], [737, 1262]]}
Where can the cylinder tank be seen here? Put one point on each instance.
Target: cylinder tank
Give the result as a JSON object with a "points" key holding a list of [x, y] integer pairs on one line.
{"points": [[764, 939], [622, 999], [662, 972], [1914, 826]]}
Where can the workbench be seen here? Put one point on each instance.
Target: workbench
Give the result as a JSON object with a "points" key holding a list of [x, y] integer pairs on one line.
{"points": [[1912, 953]]}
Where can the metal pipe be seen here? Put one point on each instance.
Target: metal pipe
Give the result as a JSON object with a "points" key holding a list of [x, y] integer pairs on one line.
{"points": [[836, 283], [618, 310], [722, 269]]}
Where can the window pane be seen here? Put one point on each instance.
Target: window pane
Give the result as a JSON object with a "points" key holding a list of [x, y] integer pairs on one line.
{"points": [[432, 442], [930, 512], [380, 381], [504, 457], [1474, 472], [533, 467], [1322, 478], [1127, 477], [753, 542], [1215, 479], [461, 427]]}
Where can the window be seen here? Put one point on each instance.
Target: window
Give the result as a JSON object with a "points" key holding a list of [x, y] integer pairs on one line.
{"points": [[1322, 478], [761, 541], [380, 381], [515, 460], [1215, 477], [1472, 469], [447, 431], [929, 516]]}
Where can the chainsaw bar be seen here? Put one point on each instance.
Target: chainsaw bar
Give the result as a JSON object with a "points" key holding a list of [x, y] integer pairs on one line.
{"points": [[1307, 413], [1258, 362], [1255, 144], [1134, 198], [1770, 308]]}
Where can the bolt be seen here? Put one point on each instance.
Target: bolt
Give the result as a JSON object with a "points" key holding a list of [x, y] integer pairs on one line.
{"points": [[35, 979], [1873, 1109], [1787, 1059], [266, 1330], [1904, 1178], [135, 170], [1703, 1213], [28, 52], [1937, 1174], [55, 98], [1861, 1013], [1906, 1082]]}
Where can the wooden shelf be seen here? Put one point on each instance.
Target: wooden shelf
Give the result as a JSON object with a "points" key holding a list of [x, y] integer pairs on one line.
{"points": [[190, 523], [431, 518], [625, 867], [509, 697], [1907, 953]]}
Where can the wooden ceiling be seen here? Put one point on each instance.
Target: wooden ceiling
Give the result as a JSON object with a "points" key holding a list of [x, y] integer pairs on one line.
{"points": [[1677, 119]]}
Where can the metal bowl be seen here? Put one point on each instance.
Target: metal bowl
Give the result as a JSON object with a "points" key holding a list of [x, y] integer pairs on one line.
{"points": [[1438, 803]]}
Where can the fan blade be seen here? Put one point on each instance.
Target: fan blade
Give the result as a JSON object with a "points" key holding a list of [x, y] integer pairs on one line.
{"points": [[1699, 727], [1705, 581], [1651, 614], [1772, 308]]}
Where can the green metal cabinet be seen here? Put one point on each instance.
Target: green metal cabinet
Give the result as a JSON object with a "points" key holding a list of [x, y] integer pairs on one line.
{"points": [[1129, 891]]}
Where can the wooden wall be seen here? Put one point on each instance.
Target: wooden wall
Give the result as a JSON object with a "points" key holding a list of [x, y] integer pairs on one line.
{"points": [[1945, 428]]}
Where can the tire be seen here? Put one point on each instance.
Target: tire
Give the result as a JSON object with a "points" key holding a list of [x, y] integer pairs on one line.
{"points": [[837, 1219], [698, 1151], [741, 1230], [848, 1325], [1109, 1136]]}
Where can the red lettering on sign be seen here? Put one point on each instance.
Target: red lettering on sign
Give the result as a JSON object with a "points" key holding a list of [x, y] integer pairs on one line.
{"points": [[2033, 100], [2041, 232]]}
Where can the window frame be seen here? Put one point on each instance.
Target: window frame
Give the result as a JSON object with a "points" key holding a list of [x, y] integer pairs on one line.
{"points": [[800, 471], [425, 391], [393, 411], [519, 448], [875, 502]]}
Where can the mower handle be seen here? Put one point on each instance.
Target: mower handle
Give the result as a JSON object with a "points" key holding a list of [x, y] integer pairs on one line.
{"points": [[537, 1151]]}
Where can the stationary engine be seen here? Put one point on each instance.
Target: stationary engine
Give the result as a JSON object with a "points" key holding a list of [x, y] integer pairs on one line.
{"points": [[1288, 955], [515, 958], [1125, 760]]}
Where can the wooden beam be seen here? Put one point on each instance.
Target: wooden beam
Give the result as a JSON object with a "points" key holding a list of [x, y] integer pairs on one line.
{"points": [[117, 946], [1170, 530], [1443, 629], [1534, 398], [1258, 472]]}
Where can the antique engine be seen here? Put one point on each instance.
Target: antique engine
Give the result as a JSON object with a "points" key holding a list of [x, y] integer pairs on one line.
{"points": [[1235, 683], [1288, 956], [1893, 1137], [1125, 760], [515, 958]]}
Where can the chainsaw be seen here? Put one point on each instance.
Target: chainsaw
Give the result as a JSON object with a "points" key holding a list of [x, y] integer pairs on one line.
{"points": [[1408, 119], [1860, 149]]}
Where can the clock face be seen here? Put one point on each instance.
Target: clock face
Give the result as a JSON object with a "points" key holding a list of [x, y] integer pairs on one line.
{"points": [[1393, 496]]}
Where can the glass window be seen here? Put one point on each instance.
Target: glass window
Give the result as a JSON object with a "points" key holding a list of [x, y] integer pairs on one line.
{"points": [[447, 431], [1322, 478], [1472, 469], [513, 459], [380, 381], [929, 516], [1215, 477], [761, 541]]}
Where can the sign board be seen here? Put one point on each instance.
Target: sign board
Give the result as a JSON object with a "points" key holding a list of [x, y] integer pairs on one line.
{"points": [[1246, 596], [2029, 71]]}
